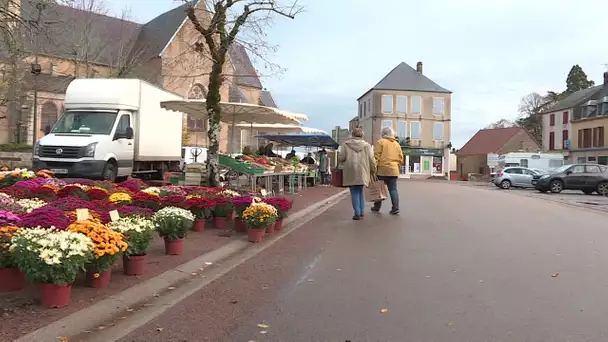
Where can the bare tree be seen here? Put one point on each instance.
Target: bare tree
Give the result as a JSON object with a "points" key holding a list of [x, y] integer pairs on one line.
{"points": [[502, 123], [219, 22], [531, 108]]}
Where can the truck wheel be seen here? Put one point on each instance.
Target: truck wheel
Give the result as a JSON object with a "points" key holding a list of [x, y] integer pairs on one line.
{"points": [[109, 172]]}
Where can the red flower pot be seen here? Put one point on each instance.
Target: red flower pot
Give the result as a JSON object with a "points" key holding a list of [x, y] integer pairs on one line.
{"points": [[11, 279], [270, 228], [239, 225], [174, 247], [99, 280], [220, 222], [255, 235], [278, 225], [230, 216], [55, 296], [134, 265], [198, 226]]}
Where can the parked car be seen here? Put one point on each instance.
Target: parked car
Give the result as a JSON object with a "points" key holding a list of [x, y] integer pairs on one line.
{"points": [[588, 178], [517, 177]]}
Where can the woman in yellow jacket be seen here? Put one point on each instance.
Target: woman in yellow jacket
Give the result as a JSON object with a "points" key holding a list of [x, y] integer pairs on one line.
{"points": [[389, 157]]}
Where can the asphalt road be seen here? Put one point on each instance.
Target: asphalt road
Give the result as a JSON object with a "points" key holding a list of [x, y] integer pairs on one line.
{"points": [[458, 264]]}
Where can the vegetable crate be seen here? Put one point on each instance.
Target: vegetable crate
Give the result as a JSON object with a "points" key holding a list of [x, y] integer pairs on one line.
{"points": [[240, 166]]}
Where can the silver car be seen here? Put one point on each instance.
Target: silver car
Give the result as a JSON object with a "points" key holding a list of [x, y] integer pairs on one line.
{"points": [[517, 177]]}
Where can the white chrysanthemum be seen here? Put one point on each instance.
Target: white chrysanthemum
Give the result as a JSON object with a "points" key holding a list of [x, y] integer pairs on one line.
{"points": [[126, 225], [29, 204], [229, 193], [174, 212], [152, 190]]}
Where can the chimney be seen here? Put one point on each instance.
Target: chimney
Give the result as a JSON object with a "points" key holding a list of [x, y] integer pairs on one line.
{"points": [[419, 68], [606, 78]]}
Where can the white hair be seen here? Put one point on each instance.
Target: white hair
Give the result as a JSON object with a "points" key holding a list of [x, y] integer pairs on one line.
{"points": [[387, 132]]}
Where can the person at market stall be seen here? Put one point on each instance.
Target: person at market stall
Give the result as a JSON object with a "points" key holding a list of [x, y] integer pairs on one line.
{"points": [[291, 154], [323, 167], [308, 159], [388, 156], [268, 150], [359, 164]]}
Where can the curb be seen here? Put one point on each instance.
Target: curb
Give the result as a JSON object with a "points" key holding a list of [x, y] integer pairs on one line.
{"points": [[107, 309]]}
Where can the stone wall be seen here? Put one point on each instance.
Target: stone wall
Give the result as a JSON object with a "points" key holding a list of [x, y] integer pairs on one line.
{"points": [[16, 159]]}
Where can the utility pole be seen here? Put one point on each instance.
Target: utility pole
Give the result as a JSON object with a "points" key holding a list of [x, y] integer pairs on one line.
{"points": [[36, 69]]}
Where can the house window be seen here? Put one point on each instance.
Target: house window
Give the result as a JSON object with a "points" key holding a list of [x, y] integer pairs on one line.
{"points": [[602, 160], [589, 111], [551, 141], [387, 123], [416, 104], [415, 130], [369, 106], [584, 138], [564, 138], [360, 110], [387, 103], [523, 162], [565, 118], [598, 137], [364, 108], [401, 104], [438, 131], [401, 130], [552, 120], [438, 106]]}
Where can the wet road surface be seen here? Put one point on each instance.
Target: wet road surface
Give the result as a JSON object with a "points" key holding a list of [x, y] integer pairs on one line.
{"points": [[458, 264]]}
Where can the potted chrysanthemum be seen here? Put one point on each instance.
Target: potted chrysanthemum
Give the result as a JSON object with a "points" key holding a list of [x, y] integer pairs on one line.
{"points": [[200, 207], [282, 205], [240, 204], [260, 217], [11, 278], [109, 245], [222, 209], [52, 259], [173, 224], [139, 232]]}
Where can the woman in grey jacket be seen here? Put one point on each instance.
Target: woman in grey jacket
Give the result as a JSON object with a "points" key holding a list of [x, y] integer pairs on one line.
{"points": [[358, 166]]}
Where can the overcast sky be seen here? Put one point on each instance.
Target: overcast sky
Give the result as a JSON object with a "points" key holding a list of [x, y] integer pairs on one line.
{"points": [[489, 53]]}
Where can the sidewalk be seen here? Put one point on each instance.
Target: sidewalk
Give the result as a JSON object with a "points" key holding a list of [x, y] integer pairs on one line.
{"points": [[21, 314]]}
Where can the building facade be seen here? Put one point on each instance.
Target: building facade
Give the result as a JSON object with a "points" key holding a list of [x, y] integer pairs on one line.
{"points": [[418, 110], [576, 125], [161, 52]]}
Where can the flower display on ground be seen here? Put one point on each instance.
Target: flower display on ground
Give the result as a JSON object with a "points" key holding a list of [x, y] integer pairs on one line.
{"points": [[108, 185], [46, 217], [229, 193], [282, 204], [51, 256], [138, 232], [129, 210], [133, 184], [152, 190], [72, 190], [120, 198], [94, 216], [108, 244], [173, 201], [43, 192], [146, 200], [7, 218], [6, 257], [259, 215], [171, 190], [29, 204], [173, 223], [97, 193], [241, 203], [222, 207], [71, 203], [199, 206]]}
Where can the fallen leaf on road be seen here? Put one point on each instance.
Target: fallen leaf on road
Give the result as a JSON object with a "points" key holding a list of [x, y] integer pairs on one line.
{"points": [[101, 327], [159, 329], [146, 304], [123, 317], [171, 287], [234, 301], [208, 263], [554, 275], [264, 287], [156, 295], [481, 281], [384, 310], [62, 339], [311, 280], [193, 273], [263, 332], [88, 331], [129, 310], [337, 269], [428, 276], [201, 269], [203, 276], [450, 324], [263, 326]]}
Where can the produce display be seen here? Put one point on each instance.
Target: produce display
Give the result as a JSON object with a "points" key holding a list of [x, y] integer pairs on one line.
{"points": [[50, 230], [267, 164]]}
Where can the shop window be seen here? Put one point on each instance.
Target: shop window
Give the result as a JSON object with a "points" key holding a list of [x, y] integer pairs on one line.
{"points": [[437, 164], [414, 164], [602, 160], [591, 159], [523, 162]]}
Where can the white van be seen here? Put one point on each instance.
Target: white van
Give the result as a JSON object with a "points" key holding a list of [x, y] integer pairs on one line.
{"points": [[113, 128], [539, 161]]}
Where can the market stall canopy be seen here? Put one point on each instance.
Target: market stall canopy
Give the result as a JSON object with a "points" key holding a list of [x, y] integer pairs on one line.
{"points": [[285, 128], [309, 140], [233, 112]]}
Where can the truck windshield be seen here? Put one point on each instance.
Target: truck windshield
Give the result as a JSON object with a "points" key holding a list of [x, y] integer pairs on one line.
{"points": [[83, 122]]}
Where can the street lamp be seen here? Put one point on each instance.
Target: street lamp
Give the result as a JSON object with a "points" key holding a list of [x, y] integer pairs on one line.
{"points": [[36, 69]]}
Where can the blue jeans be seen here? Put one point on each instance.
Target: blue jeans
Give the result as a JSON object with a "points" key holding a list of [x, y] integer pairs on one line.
{"points": [[324, 177], [356, 195], [391, 184]]}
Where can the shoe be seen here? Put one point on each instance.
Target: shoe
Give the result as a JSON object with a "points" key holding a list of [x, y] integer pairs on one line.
{"points": [[374, 209], [362, 216], [394, 212], [356, 218]]}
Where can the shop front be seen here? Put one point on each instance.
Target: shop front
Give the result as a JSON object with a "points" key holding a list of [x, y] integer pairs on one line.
{"points": [[589, 155], [427, 161]]}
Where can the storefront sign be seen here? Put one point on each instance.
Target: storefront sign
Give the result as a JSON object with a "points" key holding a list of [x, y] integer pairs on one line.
{"points": [[431, 152]]}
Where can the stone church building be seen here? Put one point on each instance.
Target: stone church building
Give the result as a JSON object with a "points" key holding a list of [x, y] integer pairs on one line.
{"points": [[76, 43]]}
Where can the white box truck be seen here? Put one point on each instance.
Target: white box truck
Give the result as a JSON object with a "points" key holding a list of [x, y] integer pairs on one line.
{"points": [[113, 128]]}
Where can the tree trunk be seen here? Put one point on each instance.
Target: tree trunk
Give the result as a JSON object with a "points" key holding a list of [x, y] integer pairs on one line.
{"points": [[214, 112]]}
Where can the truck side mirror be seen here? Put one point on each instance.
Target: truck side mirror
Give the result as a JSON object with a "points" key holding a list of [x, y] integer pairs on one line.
{"points": [[130, 133]]}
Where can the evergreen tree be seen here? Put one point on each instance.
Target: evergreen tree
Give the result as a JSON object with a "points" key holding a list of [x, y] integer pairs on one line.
{"points": [[577, 80]]}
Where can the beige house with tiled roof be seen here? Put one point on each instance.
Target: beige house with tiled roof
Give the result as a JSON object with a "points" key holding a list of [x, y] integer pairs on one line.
{"points": [[79, 43]]}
